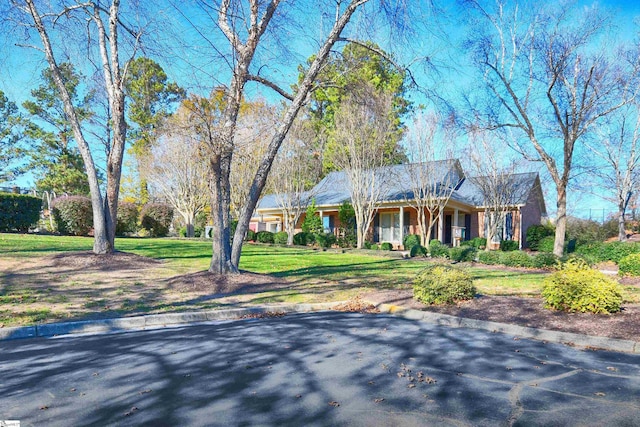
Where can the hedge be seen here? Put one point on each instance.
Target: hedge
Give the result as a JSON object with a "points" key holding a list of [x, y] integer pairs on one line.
{"points": [[73, 215], [18, 212]]}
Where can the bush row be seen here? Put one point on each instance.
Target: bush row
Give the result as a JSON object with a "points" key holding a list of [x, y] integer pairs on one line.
{"points": [[18, 212], [74, 215], [324, 240]]}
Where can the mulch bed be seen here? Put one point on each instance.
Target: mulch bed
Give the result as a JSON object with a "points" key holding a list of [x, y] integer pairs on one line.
{"points": [[528, 312], [244, 283], [107, 262]]}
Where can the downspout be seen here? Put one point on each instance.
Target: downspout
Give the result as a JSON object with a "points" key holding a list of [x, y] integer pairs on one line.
{"points": [[520, 228]]}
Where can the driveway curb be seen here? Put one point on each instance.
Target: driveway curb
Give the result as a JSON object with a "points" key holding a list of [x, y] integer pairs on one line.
{"points": [[566, 338], [153, 321]]}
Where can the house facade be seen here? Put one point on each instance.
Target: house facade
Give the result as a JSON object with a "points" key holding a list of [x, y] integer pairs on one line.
{"points": [[463, 216]]}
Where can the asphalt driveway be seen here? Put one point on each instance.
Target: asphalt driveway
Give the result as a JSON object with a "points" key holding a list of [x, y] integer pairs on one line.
{"points": [[314, 369]]}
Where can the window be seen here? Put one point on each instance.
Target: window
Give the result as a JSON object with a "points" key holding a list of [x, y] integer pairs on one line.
{"points": [[390, 227]]}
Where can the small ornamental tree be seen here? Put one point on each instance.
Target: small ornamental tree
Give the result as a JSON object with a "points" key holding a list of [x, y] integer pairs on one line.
{"points": [[312, 222], [73, 215]]}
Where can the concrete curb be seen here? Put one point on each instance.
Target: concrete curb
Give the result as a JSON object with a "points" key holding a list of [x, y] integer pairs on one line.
{"points": [[566, 338], [153, 321]]}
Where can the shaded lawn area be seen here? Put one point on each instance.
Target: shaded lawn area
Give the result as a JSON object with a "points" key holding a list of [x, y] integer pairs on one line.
{"points": [[295, 264]]}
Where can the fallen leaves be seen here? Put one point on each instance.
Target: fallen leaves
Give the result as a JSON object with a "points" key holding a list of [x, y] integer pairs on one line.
{"points": [[266, 314], [419, 377], [356, 305], [131, 411]]}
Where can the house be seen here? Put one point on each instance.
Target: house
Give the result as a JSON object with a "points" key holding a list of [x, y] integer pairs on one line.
{"points": [[463, 217]]}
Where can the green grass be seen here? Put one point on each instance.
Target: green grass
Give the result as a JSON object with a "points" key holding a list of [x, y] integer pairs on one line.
{"points": [[296, 264]]}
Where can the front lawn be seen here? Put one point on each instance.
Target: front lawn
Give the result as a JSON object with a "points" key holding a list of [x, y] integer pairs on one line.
{"points": [[36, 286]]}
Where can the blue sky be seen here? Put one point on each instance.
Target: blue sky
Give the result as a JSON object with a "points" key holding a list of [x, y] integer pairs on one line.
{"points": [[20, 69]]}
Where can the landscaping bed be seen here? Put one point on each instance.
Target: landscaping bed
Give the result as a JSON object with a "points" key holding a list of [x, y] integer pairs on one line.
{"points": [[528, 312]]}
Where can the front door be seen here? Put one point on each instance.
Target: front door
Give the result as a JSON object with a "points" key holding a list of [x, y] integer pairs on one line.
{"points": [[448, 223]]}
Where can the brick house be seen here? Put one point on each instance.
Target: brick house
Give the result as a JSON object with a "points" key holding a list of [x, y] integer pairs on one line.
{"points": [[463, 217]]}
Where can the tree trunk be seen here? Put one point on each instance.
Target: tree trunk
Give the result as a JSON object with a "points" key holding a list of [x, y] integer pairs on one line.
{"points": [[220, 233], [622, 232], [290, 227], [561, 221]]}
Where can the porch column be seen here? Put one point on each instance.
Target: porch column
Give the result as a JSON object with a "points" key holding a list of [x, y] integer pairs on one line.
{"points": [[440, 226], [455, 224], [401, 224]]}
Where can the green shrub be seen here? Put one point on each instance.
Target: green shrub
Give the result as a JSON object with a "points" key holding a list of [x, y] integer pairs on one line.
{"points": [[590, 252], [374, 247], [489, 257], [281, 238], [615, 251], [476, 242], [443, 284], [127, 218], [516, 259], [410, 241], [462, 253], [251, 236], [576, 287], [347, 229], [629, 265], [156, 218], [197, 231], [438, 249], [325, 240], [612, 251], [366, 245], [536, 233], [264, 236], [418, 250], [544, 260], [18, 212], [546, 244], [386, 246], [73, 215], [509, 245], [300, 238]]}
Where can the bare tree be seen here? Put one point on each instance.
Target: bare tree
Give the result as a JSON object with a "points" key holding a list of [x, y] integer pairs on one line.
{"points": [[362, 127], [295, 172], [496, 180], [175, 168], [432, 177], [547, 81], [617, 155], [244, 24], [103, 29]]}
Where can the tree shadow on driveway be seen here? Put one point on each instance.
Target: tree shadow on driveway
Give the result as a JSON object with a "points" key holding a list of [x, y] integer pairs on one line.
{"points": [[313, 369]]}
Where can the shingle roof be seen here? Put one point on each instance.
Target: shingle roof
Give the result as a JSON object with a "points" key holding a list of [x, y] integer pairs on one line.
{"points": [[334, 189]]}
